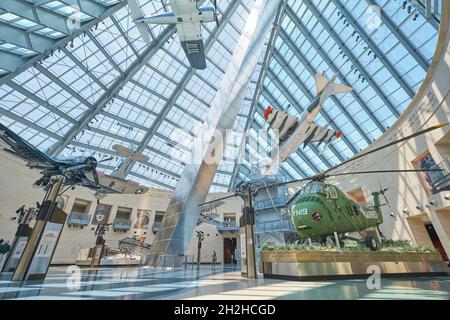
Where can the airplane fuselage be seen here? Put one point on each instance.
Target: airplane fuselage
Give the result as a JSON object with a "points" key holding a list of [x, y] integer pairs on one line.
{"points": [[302, 130], [202, 15]]}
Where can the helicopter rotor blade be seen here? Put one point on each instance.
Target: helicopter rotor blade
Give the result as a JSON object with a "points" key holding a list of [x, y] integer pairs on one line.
{"points": [[386, 146], [216, 200], [383, 171], [279, 184], [105, 159]]}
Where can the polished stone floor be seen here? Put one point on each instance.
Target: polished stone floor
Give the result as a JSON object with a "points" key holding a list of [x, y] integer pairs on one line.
{"points": [[222, 283]]}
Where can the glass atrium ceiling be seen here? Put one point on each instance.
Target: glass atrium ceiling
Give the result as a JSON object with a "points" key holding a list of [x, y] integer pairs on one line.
{"points": [[76, 78]]}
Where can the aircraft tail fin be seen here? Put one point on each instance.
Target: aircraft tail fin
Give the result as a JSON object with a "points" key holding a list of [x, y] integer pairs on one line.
{"points": [[137, 14], [322, 81], [339, 88]]}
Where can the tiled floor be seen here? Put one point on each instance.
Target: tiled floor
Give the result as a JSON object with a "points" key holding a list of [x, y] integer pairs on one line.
{"points": [[222, 283]]}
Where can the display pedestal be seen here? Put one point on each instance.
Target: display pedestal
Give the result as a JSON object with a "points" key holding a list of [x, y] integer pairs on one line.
{"points": [[323, 265], [19, 243], [42, 242]]}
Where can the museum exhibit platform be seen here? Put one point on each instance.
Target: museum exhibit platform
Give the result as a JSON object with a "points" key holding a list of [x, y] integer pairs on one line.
{"points": [[327, 265]]}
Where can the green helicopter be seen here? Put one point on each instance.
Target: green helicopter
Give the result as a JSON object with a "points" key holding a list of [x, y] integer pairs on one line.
{"points": [[320, 210]]}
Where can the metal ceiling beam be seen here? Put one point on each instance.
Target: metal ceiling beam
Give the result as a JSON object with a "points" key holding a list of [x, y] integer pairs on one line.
{"points": [[29, 40], [10, 62], [37, 14], [84, 68], [17, 65], [351, 56], [32, 125], [104, 52], [90, 7], [117, 85], [426, 10], [335, 69], [184, 81], [376, 50], [40, 102], [63, 86], [143, 128], [331, 64], [404, 40]]}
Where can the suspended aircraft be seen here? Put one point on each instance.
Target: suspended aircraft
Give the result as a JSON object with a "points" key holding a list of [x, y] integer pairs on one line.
{"points": [[320, 210], [75, 170], [293, 131], [188, 19], [116, 180]]}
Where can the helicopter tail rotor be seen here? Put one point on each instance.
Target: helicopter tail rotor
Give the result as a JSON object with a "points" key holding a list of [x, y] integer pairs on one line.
{"points": [[383, 193]]}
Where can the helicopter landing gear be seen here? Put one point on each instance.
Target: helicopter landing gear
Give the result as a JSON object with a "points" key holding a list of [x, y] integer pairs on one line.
{"points": [[371, 243], [329, 241]]}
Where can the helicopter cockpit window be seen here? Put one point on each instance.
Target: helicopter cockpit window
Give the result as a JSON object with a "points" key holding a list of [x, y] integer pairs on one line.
{"points": [[332, 191]]}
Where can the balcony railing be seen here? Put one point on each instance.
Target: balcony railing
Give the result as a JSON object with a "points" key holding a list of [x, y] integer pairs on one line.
{"points": [[274, 226], [122, 224], [267, 204], [78, 218], [228, 228], [439, 180]]}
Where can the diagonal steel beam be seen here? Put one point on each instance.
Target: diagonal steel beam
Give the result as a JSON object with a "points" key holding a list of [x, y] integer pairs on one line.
{"points": [[63, 85], [380, 55], [29, 40], [184, 81], [114, 89], [404, 40], [351, 56], [16, 66], [40, 101]]}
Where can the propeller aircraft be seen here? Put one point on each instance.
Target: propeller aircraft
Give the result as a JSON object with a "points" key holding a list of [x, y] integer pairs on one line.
{"points": [[116, 180], [80, 170], [188, 19]]}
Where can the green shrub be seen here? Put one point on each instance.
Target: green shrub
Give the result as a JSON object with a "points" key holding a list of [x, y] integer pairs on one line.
{"points": [[354, 246]]}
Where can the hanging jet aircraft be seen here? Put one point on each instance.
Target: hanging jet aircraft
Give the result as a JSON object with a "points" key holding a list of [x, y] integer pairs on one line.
{"points": [[293, 131], [75, 170], [116, 180], [188, 19]]}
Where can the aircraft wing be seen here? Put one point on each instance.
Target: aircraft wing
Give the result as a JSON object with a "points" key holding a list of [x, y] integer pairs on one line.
{"points": [[191, 41], [182, 7], [280, 120], [316, 133], [111, 184], [23, 149], [138, 16]]}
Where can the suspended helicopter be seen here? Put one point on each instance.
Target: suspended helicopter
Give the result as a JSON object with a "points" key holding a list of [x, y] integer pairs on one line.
{"points": [[321, 210]]}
